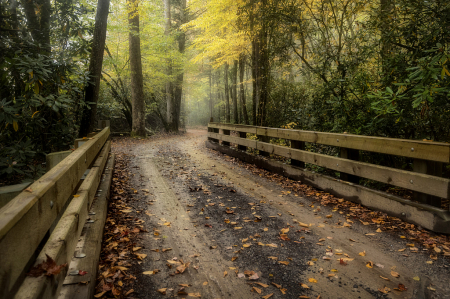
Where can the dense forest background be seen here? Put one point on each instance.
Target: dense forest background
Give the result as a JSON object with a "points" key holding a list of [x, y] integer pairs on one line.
{"points": [[376, 68]]}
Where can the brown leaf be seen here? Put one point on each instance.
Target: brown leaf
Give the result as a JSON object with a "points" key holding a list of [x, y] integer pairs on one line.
{"points": [[48, 268], [255, 289], [284, 262], [395, 274], [225, 273], [262, 284], [162, 291], [277, 285], [267, 296]]}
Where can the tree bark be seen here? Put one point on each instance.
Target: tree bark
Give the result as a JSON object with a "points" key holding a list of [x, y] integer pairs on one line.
{"points": [[386, 9], [234, 89], [210, 94], [170, 97], [178, 89], [92, 88], [241, 88], [137, 84], [227, 95]]}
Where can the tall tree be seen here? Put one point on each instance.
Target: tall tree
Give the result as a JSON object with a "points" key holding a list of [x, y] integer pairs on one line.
{"points": [[137, 84], [178, 89], [171, 105], [95, 68], [234, 92], [227, 95], [241, 88]]}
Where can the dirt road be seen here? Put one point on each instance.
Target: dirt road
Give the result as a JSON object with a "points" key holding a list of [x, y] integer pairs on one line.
{"points": [[217, 230]]}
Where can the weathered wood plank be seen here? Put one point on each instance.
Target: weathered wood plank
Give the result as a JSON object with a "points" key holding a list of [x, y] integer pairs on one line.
{"points": [[92, 240], [232, 139], [25, 220], [432, 151], [406, 179], [62, 241], [232, 127]]}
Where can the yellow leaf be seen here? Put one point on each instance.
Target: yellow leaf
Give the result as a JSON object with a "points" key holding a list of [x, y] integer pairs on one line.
{"points": [[34, 114], [15, 126], [417, 278], [362, 253], [304, 286], [76, 195], [445, 70], [225, 273], [312, 280]]}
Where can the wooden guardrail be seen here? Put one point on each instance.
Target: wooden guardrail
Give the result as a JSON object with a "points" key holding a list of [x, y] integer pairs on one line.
{"points": [[47, 219], [424, 180]]}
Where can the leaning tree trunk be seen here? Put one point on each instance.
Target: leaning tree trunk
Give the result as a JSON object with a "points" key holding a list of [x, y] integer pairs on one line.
{"points": [[137, 84], [92, 89]]}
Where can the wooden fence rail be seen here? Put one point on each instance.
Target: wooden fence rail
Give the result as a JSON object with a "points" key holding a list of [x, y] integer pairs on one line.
{"points": [[428, 158], [60, 201]]}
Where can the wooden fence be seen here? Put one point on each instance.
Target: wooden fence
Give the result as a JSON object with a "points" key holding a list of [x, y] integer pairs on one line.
{"points": [[425, 178], [47, 219]]}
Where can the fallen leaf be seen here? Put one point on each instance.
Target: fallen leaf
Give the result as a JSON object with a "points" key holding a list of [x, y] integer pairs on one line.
{"points": [[162, 291], [225, 273], [255, 289], [99, 294], [47, 268], [284, 262], [284, 230], [205, 283], [254, 277], [304, 286], [395, 274], [267, 296], [312, 280], [385, 290], [262, 284], [369, 264], [277, 285], [362, 253], [417, 278]]}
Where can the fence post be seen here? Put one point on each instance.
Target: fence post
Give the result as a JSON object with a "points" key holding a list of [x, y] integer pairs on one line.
{"points": [[242, 135], [350, 154], [301, 146], [427, 167], [225, 132]]}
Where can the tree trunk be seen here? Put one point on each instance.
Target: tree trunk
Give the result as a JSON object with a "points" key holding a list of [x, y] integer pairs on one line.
{"points": [[234, 89], [178, 89], [227, 95], [92, 88], [386, 9], [170, 97], [210, 94], [241, 88], [137, 84]]}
